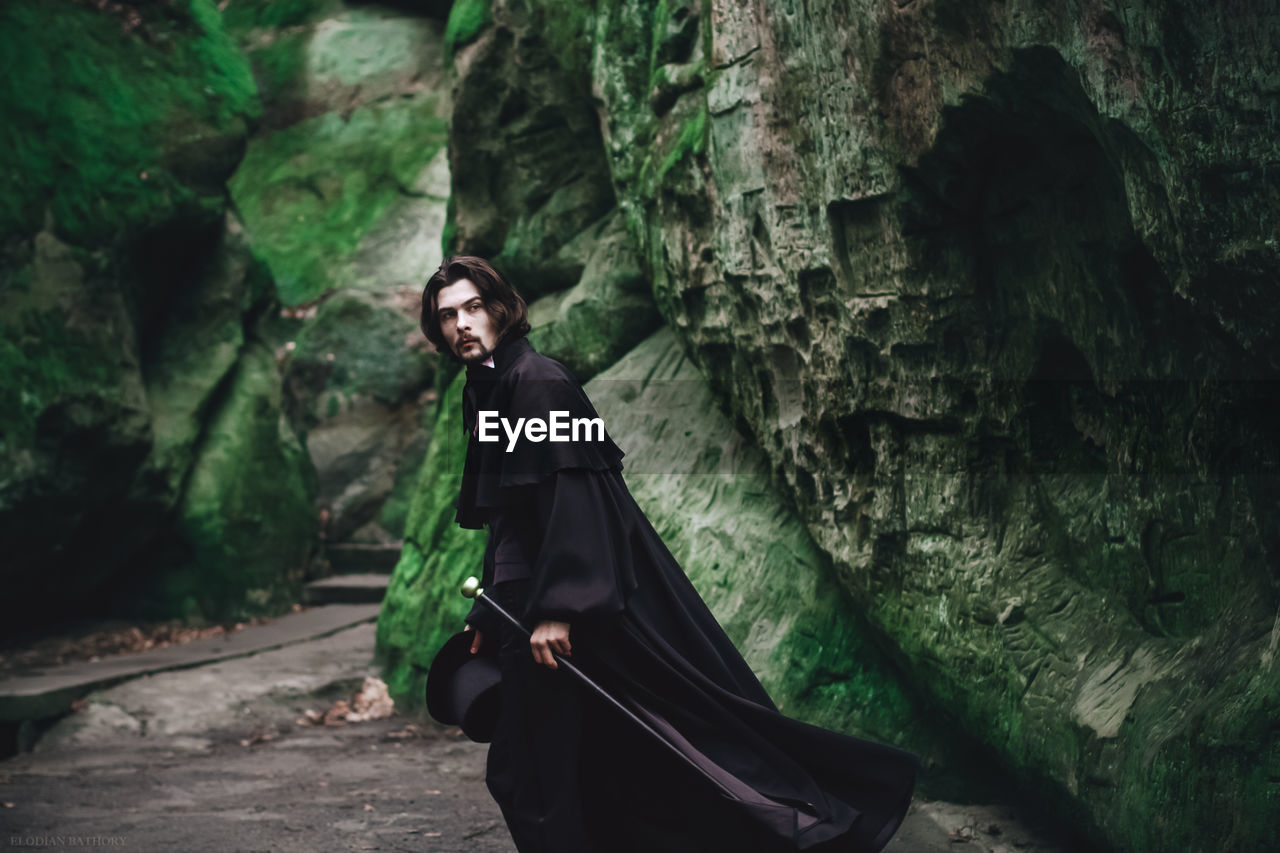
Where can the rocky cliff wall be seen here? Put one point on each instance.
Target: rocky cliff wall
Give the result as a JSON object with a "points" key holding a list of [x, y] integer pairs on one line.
{"points": [[145, 466], [992, 287], [343, 189]]}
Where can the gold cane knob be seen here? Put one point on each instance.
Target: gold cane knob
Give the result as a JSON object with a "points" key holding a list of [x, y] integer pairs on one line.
{"points": [[471, 587]]}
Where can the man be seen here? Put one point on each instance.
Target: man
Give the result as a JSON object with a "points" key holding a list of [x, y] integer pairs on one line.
{"points": [[571, 553]]}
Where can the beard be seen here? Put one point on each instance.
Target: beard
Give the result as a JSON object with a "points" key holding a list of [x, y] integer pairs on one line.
{"points": [[473, 354]]}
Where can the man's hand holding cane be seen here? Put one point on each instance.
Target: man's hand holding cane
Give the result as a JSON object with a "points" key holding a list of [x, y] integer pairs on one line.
{"points": [[549, 639]]}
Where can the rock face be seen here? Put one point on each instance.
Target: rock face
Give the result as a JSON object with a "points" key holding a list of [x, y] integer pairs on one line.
{"points": [[343, 188], [992, 287], [346, 182], [954, 269], [530, 181], [597, 321], [358, 387], [146, 466]]}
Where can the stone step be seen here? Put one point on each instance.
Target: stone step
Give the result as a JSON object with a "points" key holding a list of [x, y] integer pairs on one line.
{"points": [[46, 693], [363, 559], [346, 589]]}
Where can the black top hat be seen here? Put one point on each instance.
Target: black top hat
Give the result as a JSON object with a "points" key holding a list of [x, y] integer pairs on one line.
{"points": [[462, 688]]}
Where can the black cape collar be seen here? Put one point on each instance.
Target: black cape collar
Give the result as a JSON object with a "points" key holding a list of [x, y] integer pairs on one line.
{"points": [[504, 355], [493, 472]]}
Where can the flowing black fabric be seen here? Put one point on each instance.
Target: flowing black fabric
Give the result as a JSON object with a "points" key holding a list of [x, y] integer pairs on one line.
{"points": [[639, 627], [533, 769]]}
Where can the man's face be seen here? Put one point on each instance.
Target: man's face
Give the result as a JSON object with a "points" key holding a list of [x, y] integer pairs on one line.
{"points": [[468, 327]]}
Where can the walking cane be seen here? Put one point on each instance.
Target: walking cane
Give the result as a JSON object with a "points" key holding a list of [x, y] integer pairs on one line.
{"points": [[471, 589]]}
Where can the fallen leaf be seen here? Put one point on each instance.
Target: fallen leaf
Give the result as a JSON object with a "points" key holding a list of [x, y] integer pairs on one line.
{"points": [[371, 701]]}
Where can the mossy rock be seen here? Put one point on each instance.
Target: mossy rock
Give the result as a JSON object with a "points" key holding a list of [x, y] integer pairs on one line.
{"points": [[466, 19], [247, 513], [195, 342], [312, 193], [357, 344], [529, 172], [594, 323], [134, 107], [964, 306], [423, 605], [148, 468]]}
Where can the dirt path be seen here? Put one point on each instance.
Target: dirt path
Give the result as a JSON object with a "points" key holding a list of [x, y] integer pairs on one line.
{"points": [[215, 758], [314, 789]]}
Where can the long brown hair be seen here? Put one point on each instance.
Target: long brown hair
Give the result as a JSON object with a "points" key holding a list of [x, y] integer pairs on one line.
{"points": [[508, 309]]}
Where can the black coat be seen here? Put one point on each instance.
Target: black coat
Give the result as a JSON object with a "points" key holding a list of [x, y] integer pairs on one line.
{"points": [[639, 627]]}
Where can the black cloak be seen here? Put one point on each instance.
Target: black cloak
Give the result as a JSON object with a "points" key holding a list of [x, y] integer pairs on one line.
{"points": [[640, 628]]}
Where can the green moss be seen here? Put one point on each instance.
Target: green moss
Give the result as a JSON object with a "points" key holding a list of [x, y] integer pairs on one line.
{"points": [[40, 360], [227, 81], [707, 33], [274, 37], [312, 192], [448, 235], [1185, 767], [247, 511], [79, 90], [691, 140], [423, 606], [566, 25], [467, 19], [837, 680], [241, 16], [1203, 778], [661, 14], [281, 62]]}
